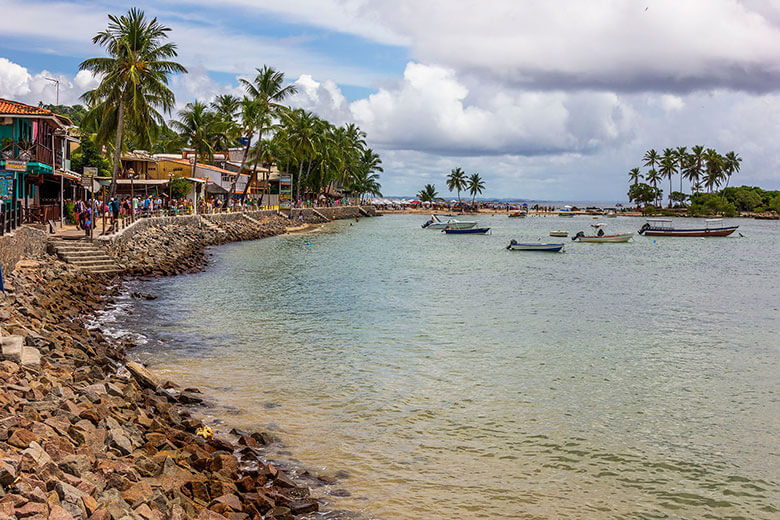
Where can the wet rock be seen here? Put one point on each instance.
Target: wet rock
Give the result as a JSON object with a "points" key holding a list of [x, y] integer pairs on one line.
{"points": [[143, 376]]}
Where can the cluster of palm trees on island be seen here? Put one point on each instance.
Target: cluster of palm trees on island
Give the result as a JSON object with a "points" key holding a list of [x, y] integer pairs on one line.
{"points": [[456, 181], [126, 112], [704, 168]]}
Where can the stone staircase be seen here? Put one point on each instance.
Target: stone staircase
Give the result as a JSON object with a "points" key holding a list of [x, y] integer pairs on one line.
{"points": [[85, 255]]}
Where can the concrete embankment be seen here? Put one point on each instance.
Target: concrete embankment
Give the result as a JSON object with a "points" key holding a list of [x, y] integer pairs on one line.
{"points": [[85, 433]]}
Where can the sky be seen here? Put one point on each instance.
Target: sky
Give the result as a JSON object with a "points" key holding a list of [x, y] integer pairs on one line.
{"points": [[545, 99]]}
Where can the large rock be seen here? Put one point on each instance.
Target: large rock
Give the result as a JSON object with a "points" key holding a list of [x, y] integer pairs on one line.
{"points": [[37, 453], [143, 376], [11, 348]]}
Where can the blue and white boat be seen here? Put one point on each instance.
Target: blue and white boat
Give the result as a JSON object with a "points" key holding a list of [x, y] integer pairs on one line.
{"points": [[470, 231], [439, 222], [535, 246]]}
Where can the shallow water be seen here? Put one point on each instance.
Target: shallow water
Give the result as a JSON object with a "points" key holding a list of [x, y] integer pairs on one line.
{"points": [[454, 379]]}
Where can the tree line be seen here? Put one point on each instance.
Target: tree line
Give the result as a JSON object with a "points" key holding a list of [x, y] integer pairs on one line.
{"points": [[704, 168], [456, 181], [126, 111]]}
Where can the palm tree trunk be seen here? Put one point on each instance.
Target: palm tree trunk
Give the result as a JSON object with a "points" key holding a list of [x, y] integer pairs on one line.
{"points": [[252, 177], [118, 146], [670, 189], [300, 174], [243, 163]]}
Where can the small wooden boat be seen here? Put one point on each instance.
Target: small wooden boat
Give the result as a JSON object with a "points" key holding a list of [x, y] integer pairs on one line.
{"points": [[470, 231], [582, 237], [518, 214], [534, 246], [662, 227], [559, 233]]}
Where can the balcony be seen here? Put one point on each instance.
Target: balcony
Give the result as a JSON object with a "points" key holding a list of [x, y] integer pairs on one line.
{"points": [[30, 152]]}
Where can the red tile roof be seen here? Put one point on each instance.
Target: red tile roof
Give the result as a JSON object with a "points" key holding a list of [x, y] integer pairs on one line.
{"points": [[14, 107]]}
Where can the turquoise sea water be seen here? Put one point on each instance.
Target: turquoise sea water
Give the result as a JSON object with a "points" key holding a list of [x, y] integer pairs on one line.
{"points": [[451, 378]]}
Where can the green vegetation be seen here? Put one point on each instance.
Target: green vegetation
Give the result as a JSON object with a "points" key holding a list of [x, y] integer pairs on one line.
{"points": [[643, 193], [475, 186], [428, 193], [88, 154], [180, 188], [75, 113]]}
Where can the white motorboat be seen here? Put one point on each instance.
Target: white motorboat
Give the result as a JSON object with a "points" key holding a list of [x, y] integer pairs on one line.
{"points": [[601, 237], [559, 233], [436, 222], [534, 246]]}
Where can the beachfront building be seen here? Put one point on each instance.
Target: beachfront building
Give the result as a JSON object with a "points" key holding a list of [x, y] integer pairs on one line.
{"points": [[35, 148]]}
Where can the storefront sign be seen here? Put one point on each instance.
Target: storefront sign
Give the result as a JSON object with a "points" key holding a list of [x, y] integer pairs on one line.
{"points": [[16, 166], [6, 185], [285, 191]]}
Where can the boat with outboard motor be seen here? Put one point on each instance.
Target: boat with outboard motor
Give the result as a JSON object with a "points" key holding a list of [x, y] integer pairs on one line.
{"points": [[534, 246], [469, 231], [438, 222], [662, 227], [601, 237]]}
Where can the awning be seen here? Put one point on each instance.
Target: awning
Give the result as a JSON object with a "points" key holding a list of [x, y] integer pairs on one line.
{"points": [[215, 188], [198, 179], [142, 182]]}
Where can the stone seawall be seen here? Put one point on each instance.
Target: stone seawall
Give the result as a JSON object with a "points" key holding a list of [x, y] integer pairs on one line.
{"points": [[25, 242], [314, 215]]}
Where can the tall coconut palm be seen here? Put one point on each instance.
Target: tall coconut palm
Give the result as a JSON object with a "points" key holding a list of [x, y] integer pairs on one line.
{"points": [[134, 81], [695, 167], [682, 158], [428, 193], [651, 158], [475, 185], [634, 175], [366, 183], [266, 91], [300, 129], [713, 170], [456, 180], [653, 177], [731, 165], [200, 128], [668, 168], [226, 106]]}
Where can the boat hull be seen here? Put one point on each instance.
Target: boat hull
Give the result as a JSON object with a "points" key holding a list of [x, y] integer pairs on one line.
{"points": [[712, 232], [606, 239], [466, 224], [471, 231], [559, 233], [545, 248]]}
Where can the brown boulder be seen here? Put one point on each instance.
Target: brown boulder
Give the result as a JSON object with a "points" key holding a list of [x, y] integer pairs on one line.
{"points": [[22, 438]]}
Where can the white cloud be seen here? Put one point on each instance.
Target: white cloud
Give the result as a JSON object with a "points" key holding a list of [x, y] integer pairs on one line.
{"points": [[323, 98], [14, 80], [429, 111]]}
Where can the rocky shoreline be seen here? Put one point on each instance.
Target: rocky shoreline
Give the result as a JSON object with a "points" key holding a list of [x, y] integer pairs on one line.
{"points": [[85, 433]]}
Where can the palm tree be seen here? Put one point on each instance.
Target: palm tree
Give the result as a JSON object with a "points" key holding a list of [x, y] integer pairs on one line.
{"points": [[226, 106], [301, 129], [714, 169], [428, 193], [266, 92], [651, 158], [456, 180], [682, 158], [669, 168], [634, 175], [200, 128], [653, 177], [731, 165], [367, 179], [135, 80], [695, 167], [475, 186]]}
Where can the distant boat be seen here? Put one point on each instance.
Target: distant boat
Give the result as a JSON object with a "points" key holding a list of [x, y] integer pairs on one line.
{"points": [[534, 246], [559, 233], [565, 214], [469, 231], [438, 222], [611, 214], [661, 227], [520, 214]]}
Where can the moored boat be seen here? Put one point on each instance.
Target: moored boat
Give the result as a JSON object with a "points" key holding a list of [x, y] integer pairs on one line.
{"points": [[582, 237], [566, 214], [518, 214], [559, 233], [534, 246], [469, 231], [662, 227], [437, 222]]}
